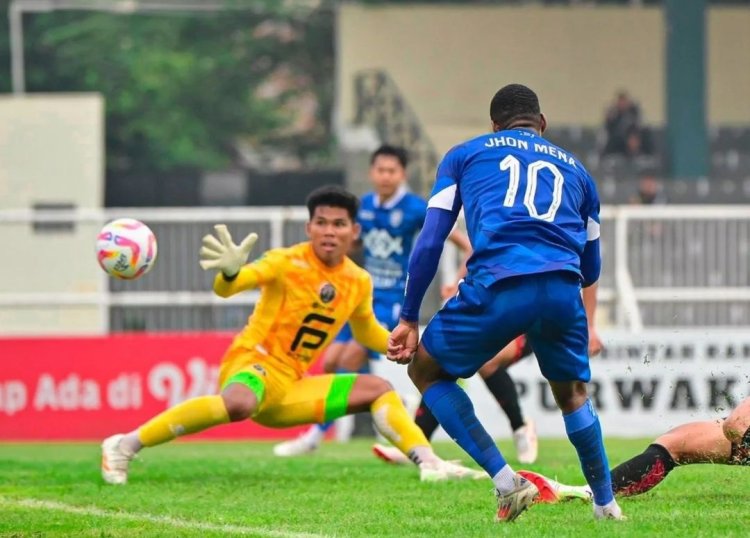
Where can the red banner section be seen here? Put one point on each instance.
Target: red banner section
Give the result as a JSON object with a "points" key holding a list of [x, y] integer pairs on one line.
{"points": [[89, 388]]}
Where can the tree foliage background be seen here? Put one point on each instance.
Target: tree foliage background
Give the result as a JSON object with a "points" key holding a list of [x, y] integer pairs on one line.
{"points": [[181, 88]]}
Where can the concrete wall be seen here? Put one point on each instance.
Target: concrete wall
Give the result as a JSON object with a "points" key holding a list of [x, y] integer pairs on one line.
{"points": [[51, 151], [449, 60], [728, 70]]}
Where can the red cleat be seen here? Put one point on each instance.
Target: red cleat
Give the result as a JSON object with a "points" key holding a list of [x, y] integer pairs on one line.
{"points": [[547, 494], [552, 491]]}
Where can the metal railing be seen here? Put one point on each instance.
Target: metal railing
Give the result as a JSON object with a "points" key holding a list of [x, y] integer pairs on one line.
{"points": [[176, 295], [663, 266]]}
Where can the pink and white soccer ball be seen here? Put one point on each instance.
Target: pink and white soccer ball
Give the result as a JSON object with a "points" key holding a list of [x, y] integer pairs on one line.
{"points": [[126, 248]]}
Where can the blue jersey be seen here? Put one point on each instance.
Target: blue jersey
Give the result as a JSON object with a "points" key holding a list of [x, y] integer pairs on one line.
{"points": [[388, 232], [530, 207]]}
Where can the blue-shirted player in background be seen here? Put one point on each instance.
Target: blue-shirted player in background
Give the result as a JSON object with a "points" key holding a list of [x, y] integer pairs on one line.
{"points": [[532, 214]]}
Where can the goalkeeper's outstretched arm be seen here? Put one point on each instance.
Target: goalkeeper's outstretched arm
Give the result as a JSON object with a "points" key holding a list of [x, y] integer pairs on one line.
{"points": [[220, 253]]}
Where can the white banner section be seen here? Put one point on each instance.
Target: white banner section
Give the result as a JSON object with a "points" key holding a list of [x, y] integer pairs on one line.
{"points": [[642, 384]]}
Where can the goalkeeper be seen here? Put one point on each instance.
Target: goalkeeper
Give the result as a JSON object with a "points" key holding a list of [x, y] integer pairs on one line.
{"points": [[308, 292]]}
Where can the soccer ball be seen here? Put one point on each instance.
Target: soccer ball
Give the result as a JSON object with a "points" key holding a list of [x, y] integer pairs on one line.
{"points": [[126, 248]]}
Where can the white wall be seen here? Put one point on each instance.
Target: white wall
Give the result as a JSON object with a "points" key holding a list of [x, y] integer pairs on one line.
{"points": [[51, 151]]}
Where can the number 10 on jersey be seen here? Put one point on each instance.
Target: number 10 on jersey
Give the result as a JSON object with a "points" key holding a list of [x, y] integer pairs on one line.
{"points": [[513, 166]]}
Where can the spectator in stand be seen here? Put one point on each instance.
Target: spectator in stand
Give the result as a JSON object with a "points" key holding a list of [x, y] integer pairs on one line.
{"points": [[638, 143], [625, 134]]}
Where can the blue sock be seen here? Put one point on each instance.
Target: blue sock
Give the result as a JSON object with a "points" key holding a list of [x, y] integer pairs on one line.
{"points": [[582, 427], [453, 409]]}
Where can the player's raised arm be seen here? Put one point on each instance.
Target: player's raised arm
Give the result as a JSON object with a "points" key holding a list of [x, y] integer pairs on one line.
{"points": [[220, 253]]}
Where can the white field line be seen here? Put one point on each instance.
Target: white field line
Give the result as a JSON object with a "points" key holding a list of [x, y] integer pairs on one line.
{"points": [[36, 504]]}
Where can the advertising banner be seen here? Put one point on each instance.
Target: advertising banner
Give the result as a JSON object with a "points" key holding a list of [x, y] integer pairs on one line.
{"points": [[89, 388]]}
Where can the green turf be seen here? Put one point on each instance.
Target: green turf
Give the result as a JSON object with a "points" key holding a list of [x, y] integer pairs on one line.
{"points": [[341, 491]]}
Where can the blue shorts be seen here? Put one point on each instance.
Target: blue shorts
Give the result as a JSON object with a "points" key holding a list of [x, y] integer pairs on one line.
{"points": [[478, 322], [387, 313]]}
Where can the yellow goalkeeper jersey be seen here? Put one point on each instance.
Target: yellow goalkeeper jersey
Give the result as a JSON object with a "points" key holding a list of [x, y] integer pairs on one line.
{"points": [[303, 305]]}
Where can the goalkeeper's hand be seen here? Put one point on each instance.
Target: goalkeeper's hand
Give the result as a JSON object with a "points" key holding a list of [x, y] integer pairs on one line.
{"points": [[222, 254]]}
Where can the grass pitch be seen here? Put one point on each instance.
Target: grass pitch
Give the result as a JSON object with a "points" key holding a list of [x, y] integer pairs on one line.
{"points": [[241, 489]]}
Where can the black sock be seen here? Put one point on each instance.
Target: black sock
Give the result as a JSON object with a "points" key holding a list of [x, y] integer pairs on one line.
{"points": [[425, 420], [504, 390], [643, 472]]}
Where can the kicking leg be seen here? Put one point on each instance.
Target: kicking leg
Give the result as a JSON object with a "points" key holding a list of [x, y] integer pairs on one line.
{"points": [[455, 412], [584, 432], [737, 429], [559, 338], [696, 442]]}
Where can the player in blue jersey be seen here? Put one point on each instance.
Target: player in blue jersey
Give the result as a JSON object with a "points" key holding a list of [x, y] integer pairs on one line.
{"points": [[532, 215], [390, 218]]}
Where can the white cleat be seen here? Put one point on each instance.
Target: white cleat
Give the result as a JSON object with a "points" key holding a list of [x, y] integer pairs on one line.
{"points": [[512, 504], [115, 461], [306, 443], [526, 442], [610, 511], [440, 470], [390, 454]]}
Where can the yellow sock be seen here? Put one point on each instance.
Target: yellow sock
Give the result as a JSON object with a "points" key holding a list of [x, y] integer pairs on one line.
{"points": [[191, 416], [394, 422]]}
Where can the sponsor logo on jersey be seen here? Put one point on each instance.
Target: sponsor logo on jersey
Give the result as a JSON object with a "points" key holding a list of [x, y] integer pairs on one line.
{"points": [[381, 244], [327, 292], [366, 214]]}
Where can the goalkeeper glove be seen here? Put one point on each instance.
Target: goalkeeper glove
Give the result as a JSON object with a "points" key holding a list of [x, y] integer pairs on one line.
{"points": [[223, 254]]}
